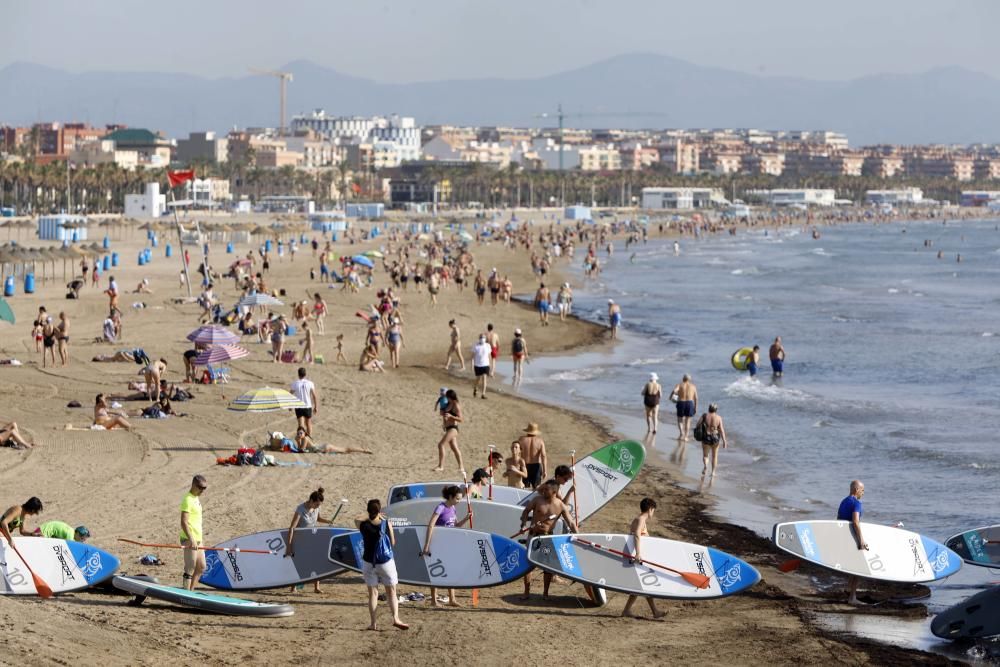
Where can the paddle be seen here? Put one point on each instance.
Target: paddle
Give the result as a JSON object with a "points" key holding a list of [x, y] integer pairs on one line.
{"points": [[790, 565], [343, 501], [572, 468], [180, 546], [693, 578], [489, 466], [42, 588], [468, 504], [552, 517]]}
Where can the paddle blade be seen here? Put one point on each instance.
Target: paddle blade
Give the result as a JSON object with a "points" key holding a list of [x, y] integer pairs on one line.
{"points": [[696, 580], [40, 586], [790, 565]]}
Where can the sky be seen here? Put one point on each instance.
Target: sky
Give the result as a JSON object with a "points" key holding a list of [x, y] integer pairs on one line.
{"points": [[407, 40]]}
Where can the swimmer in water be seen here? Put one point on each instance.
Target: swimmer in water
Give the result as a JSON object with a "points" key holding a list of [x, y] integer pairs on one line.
{"points": [[632, 259]]}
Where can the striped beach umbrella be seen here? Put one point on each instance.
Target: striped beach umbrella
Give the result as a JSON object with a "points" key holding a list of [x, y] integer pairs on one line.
{"points": [[373, 253], [267, 399], [213, 334], [220, 353], [259, 299]]}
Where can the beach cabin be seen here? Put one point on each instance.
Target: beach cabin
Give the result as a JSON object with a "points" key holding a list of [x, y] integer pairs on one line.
{"points": [[577, 213], [328, 221], [372, 210], [62, 227]]}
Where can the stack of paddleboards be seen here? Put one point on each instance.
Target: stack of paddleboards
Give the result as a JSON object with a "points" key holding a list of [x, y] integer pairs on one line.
{"points": [[978, 616], [416, 490], [62, 564], [893, 554]]}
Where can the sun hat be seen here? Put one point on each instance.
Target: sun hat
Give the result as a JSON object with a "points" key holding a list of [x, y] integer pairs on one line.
{"points": [[654, 377], [532, 429]]}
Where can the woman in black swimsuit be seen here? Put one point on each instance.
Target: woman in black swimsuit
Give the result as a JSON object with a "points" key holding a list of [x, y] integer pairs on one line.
{"points": [[715, 433], [452, 417], [651, 393]]}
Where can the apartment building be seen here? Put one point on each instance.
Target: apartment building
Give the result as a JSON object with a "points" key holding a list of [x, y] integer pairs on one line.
{"points": [[202, 146], [929, 164], [768, 164], [679, 156], [600, 158], [720, 160]]}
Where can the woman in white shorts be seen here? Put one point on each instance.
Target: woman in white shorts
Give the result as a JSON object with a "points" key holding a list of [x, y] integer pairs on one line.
{"points": [[371, 532]]}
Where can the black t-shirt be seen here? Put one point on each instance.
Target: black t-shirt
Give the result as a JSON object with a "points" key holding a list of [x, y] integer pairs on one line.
{"points": [[370, 534]]}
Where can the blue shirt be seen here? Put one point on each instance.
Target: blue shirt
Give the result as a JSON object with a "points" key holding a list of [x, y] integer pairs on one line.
{"points": [[848, 506]]}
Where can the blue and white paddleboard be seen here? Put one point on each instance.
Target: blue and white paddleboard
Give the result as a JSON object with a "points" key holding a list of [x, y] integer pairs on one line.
{"points": [[979, 546], [893, 554], [219, 604], [62, 564], [414, 490]]}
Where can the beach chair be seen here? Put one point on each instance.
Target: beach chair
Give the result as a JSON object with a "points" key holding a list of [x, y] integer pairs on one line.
{"points": [[218, 375]]}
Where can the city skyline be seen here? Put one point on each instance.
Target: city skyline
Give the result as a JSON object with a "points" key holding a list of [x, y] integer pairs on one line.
{"points": [[454, 39]]}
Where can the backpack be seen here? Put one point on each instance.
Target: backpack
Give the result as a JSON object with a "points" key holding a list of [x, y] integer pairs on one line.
{"points": [[383, 550], [518, 345], [699, 429]]}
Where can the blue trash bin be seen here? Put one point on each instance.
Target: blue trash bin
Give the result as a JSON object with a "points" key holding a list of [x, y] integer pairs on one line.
{"points": [[107, 242], [267, 245], [114, 259], [168, 251], [142, 258], [8, 286], [155, 241], [29, 283], [107, 263], [229, 248]]}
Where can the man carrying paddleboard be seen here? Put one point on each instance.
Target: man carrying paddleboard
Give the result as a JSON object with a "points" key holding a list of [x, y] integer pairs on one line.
{"points": [[851, 510], [546, 509], [191, 535], [638, 530]]}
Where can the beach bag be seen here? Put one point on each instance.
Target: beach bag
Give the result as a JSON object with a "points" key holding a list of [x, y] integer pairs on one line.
{"points": [[699, 429], [140, 357], [383, 550], [518, 345], [258, 458]]}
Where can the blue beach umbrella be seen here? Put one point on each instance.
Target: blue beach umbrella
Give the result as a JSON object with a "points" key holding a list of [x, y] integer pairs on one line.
{"points": [[363, 261]]}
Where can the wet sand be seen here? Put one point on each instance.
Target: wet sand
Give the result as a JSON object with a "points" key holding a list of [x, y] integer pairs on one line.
{"points": [[130, 485]]}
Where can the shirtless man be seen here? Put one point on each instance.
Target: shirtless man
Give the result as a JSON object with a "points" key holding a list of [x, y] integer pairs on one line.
{"points": [[533, 451], [777, 355], [542, 304], [614, 317], [494, 340], [687, 406], [545, 509], [638, 530], [456, 346]]}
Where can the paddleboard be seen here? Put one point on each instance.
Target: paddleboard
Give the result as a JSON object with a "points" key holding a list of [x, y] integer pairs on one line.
{"points": [[64, 565], [740, 357], [488, 516], [979, 546], [894, 554], [565, 556], [238, 571], [979, 616], [501, 494], [601, 476], [219, 604], [459, 558]]}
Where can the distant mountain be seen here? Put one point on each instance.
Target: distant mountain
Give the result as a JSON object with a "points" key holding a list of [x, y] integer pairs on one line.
{"points": [[948, 105]]}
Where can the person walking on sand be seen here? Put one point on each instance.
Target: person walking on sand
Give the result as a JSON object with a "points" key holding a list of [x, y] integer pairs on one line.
{"points": [[307, 343], [481, 365], [544, 510], [394, 340], [305, 391], [451, 417], [564, 300], [456, 346], [112, 293], [715, 434], [777, 355], [686, 396], [851, 510], [191, 532], [444, 515], [637, 530], [519, 353], [535, 458], [378, 539], [306, 516], [494, 340], [278, 330], [62, 335], [651, 394], [614, 317], [542, 304], [49, 334], [14, 518], [319, 312]]}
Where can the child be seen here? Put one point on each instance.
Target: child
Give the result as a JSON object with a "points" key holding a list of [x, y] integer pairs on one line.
{"points": [[340, 348], [647, 507], [442, 401], [517, 470]]}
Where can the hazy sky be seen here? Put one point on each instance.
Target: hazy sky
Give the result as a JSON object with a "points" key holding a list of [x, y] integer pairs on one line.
{"points": [[411, 40]]}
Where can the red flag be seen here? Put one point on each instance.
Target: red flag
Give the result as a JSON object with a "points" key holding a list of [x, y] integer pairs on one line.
{"points": [[178, 177], [356, 188]]}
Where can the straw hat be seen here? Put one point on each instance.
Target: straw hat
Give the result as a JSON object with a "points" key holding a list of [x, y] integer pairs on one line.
{"points": [[532, 429]]}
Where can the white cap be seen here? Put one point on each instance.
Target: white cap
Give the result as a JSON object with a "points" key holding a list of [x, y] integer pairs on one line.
{"points": [[611, 300], [517, 332], [654, 377]]}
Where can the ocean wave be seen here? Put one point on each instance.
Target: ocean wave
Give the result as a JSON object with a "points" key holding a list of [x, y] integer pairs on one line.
{"points": [[893, 290], [647, 362], [749, 271], [578, 374], [821, 252], [753, 389]]}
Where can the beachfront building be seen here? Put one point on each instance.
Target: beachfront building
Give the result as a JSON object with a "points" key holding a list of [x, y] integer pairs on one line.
{"points": [[636, 157], [720, 161], [203, 147], [681, 198], [978, 197], [902, 196], [103, 151], [834, 140], [600, 158], [153, 150], [150, 204], [208, 192], [679, 156], [800, 197], [940, 164], [768, 164], [396, 138], [883, 166]]}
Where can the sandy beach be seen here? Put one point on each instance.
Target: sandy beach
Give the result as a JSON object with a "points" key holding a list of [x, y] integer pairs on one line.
{"points": [[129, 485]]}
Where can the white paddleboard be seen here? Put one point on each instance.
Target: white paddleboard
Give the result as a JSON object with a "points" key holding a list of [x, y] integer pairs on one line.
{"points": [[413, 490], [62, 564], [488, 517], [219, 604], [893, 554]]}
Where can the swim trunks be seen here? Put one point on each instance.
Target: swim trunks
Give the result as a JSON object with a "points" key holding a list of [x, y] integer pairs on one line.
{"points": [[481, 370], [534, 477], [494, 351], [752, 367], [685, 408], [616, 319], [778, 365], [543, 306], [304, 412]]}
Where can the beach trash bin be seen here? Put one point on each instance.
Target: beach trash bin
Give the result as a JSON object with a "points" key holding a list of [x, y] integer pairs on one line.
{"points": [[107, 263], [204, 249], [76, 236], [333, 236], [168, 251], [114, 259], [267, 245], [149, 255], [229, 248], [106, 243], [8, 286], [302, 238], [29, 283], [155, 241], [142, 258]]}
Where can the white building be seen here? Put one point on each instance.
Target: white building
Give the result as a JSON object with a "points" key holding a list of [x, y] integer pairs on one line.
{"points": [[803, 197], [209, 192], [150, 204], [103, 152], [895, 197], [681, 198], [400, 134]]}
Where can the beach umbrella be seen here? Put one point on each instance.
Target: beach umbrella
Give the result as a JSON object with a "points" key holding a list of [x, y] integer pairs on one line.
{"points": [[6, 314], [363, 261], [465, 236], [373, 253], [259, 299], [266, 399], [220, 353], [213, 334]]}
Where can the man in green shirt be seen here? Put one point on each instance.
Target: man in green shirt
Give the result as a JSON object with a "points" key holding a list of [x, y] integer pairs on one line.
{"points": [[61, 530], [194, 556]]}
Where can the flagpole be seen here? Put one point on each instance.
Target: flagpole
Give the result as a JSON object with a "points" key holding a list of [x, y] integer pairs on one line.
{"points": [[180, 242]]}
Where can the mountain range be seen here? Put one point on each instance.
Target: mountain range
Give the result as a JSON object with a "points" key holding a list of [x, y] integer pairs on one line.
{"points": [[945, 105]]}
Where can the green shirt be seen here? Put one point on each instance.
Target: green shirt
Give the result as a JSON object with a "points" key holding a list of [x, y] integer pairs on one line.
{"points": [[192, 505], [58, 529]]}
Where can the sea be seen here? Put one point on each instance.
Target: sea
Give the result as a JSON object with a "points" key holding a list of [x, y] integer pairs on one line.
{"points": [[892, 373]]}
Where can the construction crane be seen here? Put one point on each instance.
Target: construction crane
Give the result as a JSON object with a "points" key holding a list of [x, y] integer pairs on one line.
{"points": [[563, 116], [284, 78]]}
